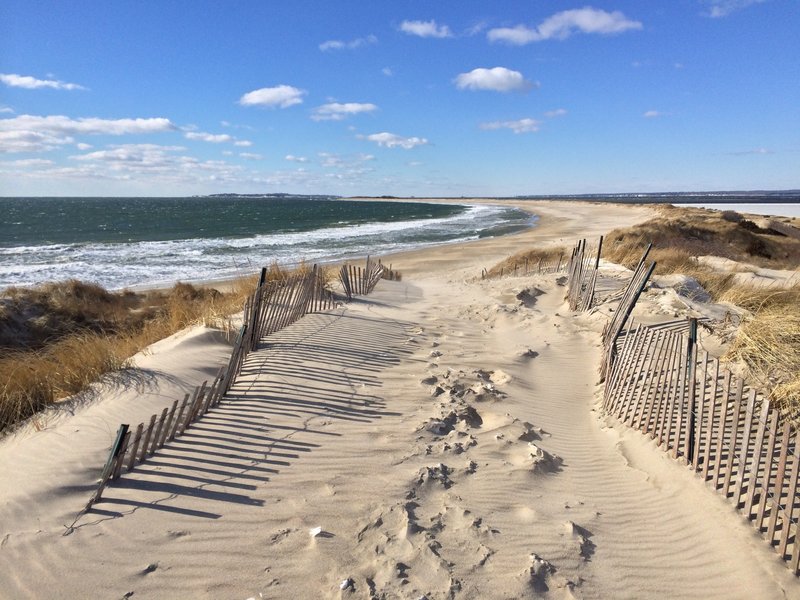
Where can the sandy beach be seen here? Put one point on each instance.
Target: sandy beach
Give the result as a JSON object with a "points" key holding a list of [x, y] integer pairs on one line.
{"points": [[436, 439]]}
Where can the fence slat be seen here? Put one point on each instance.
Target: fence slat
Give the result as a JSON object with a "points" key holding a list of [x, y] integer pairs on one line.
{"points": [[772, 432], [775, 509], [667, 388], [146, 443], [744, 450], [726, 394], [712, 409], [737, 412], [137, 438], [697, 426], [790, 502]]}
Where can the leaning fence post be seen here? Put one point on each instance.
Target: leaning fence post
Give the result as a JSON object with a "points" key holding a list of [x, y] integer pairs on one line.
{"points": [[113, 458]]}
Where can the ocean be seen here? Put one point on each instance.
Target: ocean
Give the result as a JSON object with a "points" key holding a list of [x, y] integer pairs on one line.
{"points": [[150, 242]]}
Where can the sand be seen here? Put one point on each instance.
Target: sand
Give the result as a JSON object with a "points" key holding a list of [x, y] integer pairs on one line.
{"points": [[438, 439]]}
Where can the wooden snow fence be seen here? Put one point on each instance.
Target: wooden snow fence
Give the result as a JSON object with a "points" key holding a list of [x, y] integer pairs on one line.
{"points": [[360, 282], [726, 431], [582, 269], [272, 306], [630, 295], [528, 266]]}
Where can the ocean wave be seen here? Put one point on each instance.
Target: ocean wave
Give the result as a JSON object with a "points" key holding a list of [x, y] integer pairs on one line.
{"points": [[154, 263]]}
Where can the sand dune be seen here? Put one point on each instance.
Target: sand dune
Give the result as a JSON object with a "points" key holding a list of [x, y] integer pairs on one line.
{"points": [[437, 439]]}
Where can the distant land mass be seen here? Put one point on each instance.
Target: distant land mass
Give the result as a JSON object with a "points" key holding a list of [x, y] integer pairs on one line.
{"points": [[717, 197]]}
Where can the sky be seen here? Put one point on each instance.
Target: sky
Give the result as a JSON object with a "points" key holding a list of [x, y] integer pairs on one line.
{"points": [[414, 98]]}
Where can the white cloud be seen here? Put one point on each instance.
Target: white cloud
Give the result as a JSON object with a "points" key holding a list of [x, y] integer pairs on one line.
{"points": [[293, 158], [30, 133], [208, 137], [559, 112], [391, 140], [65, 125], [562, 25], [336, 111], [426, 29], [756, 151], [27, 162], [498, 79], [520, 126], [282, 96], [351, 45], [83, 146], [31, 83], [387, 71], [722, 8], [243, 143], [653, 114], [6, 109], [251, 156]]}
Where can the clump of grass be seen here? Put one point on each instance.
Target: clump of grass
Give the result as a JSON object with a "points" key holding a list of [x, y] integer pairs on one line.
{"points": [[531, 257], [768, 343]]}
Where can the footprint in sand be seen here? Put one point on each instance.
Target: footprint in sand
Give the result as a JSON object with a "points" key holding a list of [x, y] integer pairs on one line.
{"points": [[461, 419], [496, 377], [580, 535], [542, 576]]}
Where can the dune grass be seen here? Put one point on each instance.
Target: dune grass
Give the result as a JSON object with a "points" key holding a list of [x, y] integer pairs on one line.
{"points": [[58, 338], [768, 342]]}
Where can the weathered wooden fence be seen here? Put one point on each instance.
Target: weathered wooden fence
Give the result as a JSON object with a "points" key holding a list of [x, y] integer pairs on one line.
{"points": [[271, 307], [728, 432], [360, 282], [527, 266], [630, 295], [582, 269]]}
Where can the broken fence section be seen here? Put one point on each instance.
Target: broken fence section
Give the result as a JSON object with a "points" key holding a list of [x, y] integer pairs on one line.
{"points": [[360, 282], [582, 278]]}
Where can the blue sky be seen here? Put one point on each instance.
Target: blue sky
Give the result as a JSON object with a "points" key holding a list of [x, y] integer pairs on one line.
{"points": [[404, 98]]}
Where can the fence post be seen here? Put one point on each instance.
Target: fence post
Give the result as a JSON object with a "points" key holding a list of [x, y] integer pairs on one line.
{"points": [[691, 368]]}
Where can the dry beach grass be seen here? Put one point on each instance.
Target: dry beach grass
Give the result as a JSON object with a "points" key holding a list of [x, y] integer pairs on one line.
{"points": [[59, 338]]}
